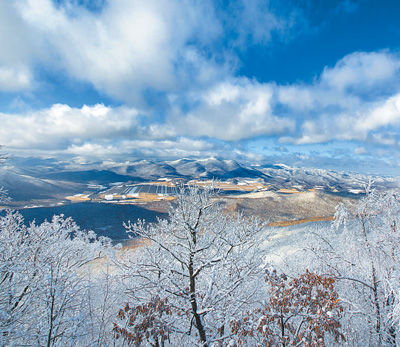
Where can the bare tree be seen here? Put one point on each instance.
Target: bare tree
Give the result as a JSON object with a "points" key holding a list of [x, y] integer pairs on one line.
{"points": [[206, 264]]}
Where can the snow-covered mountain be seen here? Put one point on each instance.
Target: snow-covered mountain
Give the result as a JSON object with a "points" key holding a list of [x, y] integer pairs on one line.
{"points": [[277, 175], [147, 169], [26, 181], [187, 168], [212, 168], [284, 176], [22, 187]]}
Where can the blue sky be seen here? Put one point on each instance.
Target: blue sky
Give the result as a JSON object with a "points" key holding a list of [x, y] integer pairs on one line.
{"points": [[307, 83]]}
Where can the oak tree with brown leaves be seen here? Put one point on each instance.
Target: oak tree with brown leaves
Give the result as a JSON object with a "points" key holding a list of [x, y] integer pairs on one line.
{"points": [[299, 311], [144, 323]]}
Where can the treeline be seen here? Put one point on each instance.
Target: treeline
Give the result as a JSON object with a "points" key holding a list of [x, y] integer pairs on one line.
{"points": [[203, 279]]}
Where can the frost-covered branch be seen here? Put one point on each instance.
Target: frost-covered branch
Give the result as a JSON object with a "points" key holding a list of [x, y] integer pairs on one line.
{"points": [[207, 264]]}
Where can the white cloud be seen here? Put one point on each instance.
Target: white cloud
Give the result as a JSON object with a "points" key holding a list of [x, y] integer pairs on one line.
{"points": [[60, 125], [126, 48], [366, 124], [92, 150], [14, 79], [361, 70], [176, 148], [387, 138], [19, 47], [177, 50], [130, 47], [296, 97], [354, 100], [253, 21], [95, 132], [385, 114], [233, 110], [333, 107], [356, 79]]}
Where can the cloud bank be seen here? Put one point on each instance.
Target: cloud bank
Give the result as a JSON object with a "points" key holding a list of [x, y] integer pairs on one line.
{"points": [[332, 107]]}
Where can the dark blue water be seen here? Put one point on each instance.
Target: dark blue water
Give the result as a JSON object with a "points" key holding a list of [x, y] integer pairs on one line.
{"points": [[104, 219]]}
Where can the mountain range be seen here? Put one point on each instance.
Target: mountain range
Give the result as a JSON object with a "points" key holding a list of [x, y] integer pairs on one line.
{"points": [[30, 179]]}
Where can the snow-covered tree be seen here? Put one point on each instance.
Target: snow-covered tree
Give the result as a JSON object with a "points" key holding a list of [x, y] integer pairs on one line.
{"points": [[207, 265], [45, 291], [3, 196], [362, 253], [3, 193]]}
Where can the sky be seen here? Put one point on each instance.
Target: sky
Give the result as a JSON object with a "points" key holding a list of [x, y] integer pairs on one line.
{"points": [[305, 83]]}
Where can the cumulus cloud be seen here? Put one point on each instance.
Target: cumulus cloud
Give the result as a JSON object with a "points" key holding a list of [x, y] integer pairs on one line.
{"points": [[354, 100], [60, 125], [233, 110], [19, 49], [346, 102], [356, 79], [361, 71], [367, 123], [172, 65], [128, 48], [123, 49], [97, 132]]}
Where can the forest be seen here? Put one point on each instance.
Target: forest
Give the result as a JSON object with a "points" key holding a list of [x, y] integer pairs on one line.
{"points": [[203, 278]]}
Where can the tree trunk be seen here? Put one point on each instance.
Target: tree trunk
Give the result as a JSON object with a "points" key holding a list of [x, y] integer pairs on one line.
{"points": [[282, 328], [193, 301], [377, 308], [49, 337], [192, 289], [374, 284]]}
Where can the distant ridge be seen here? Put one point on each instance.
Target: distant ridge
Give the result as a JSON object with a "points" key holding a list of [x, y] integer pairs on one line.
{"points": [[25, 182]]}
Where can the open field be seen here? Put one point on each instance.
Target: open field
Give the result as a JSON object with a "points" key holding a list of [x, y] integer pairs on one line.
{"points": [[300, 221], [166, 189], [245, 186], [289, 191], [141, 198], [78, 198]]}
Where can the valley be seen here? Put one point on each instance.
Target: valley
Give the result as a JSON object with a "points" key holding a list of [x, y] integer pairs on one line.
{"points": [[102, 199]]}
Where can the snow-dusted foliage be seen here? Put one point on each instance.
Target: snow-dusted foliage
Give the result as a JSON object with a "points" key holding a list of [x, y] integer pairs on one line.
{"points": [[207, 265], [4, 198], [46, 294], [362, 252], [145, 323], [304, 310]]}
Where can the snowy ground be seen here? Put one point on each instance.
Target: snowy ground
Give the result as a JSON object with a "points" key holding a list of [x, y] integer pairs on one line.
{"points": [[286, 244]]}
